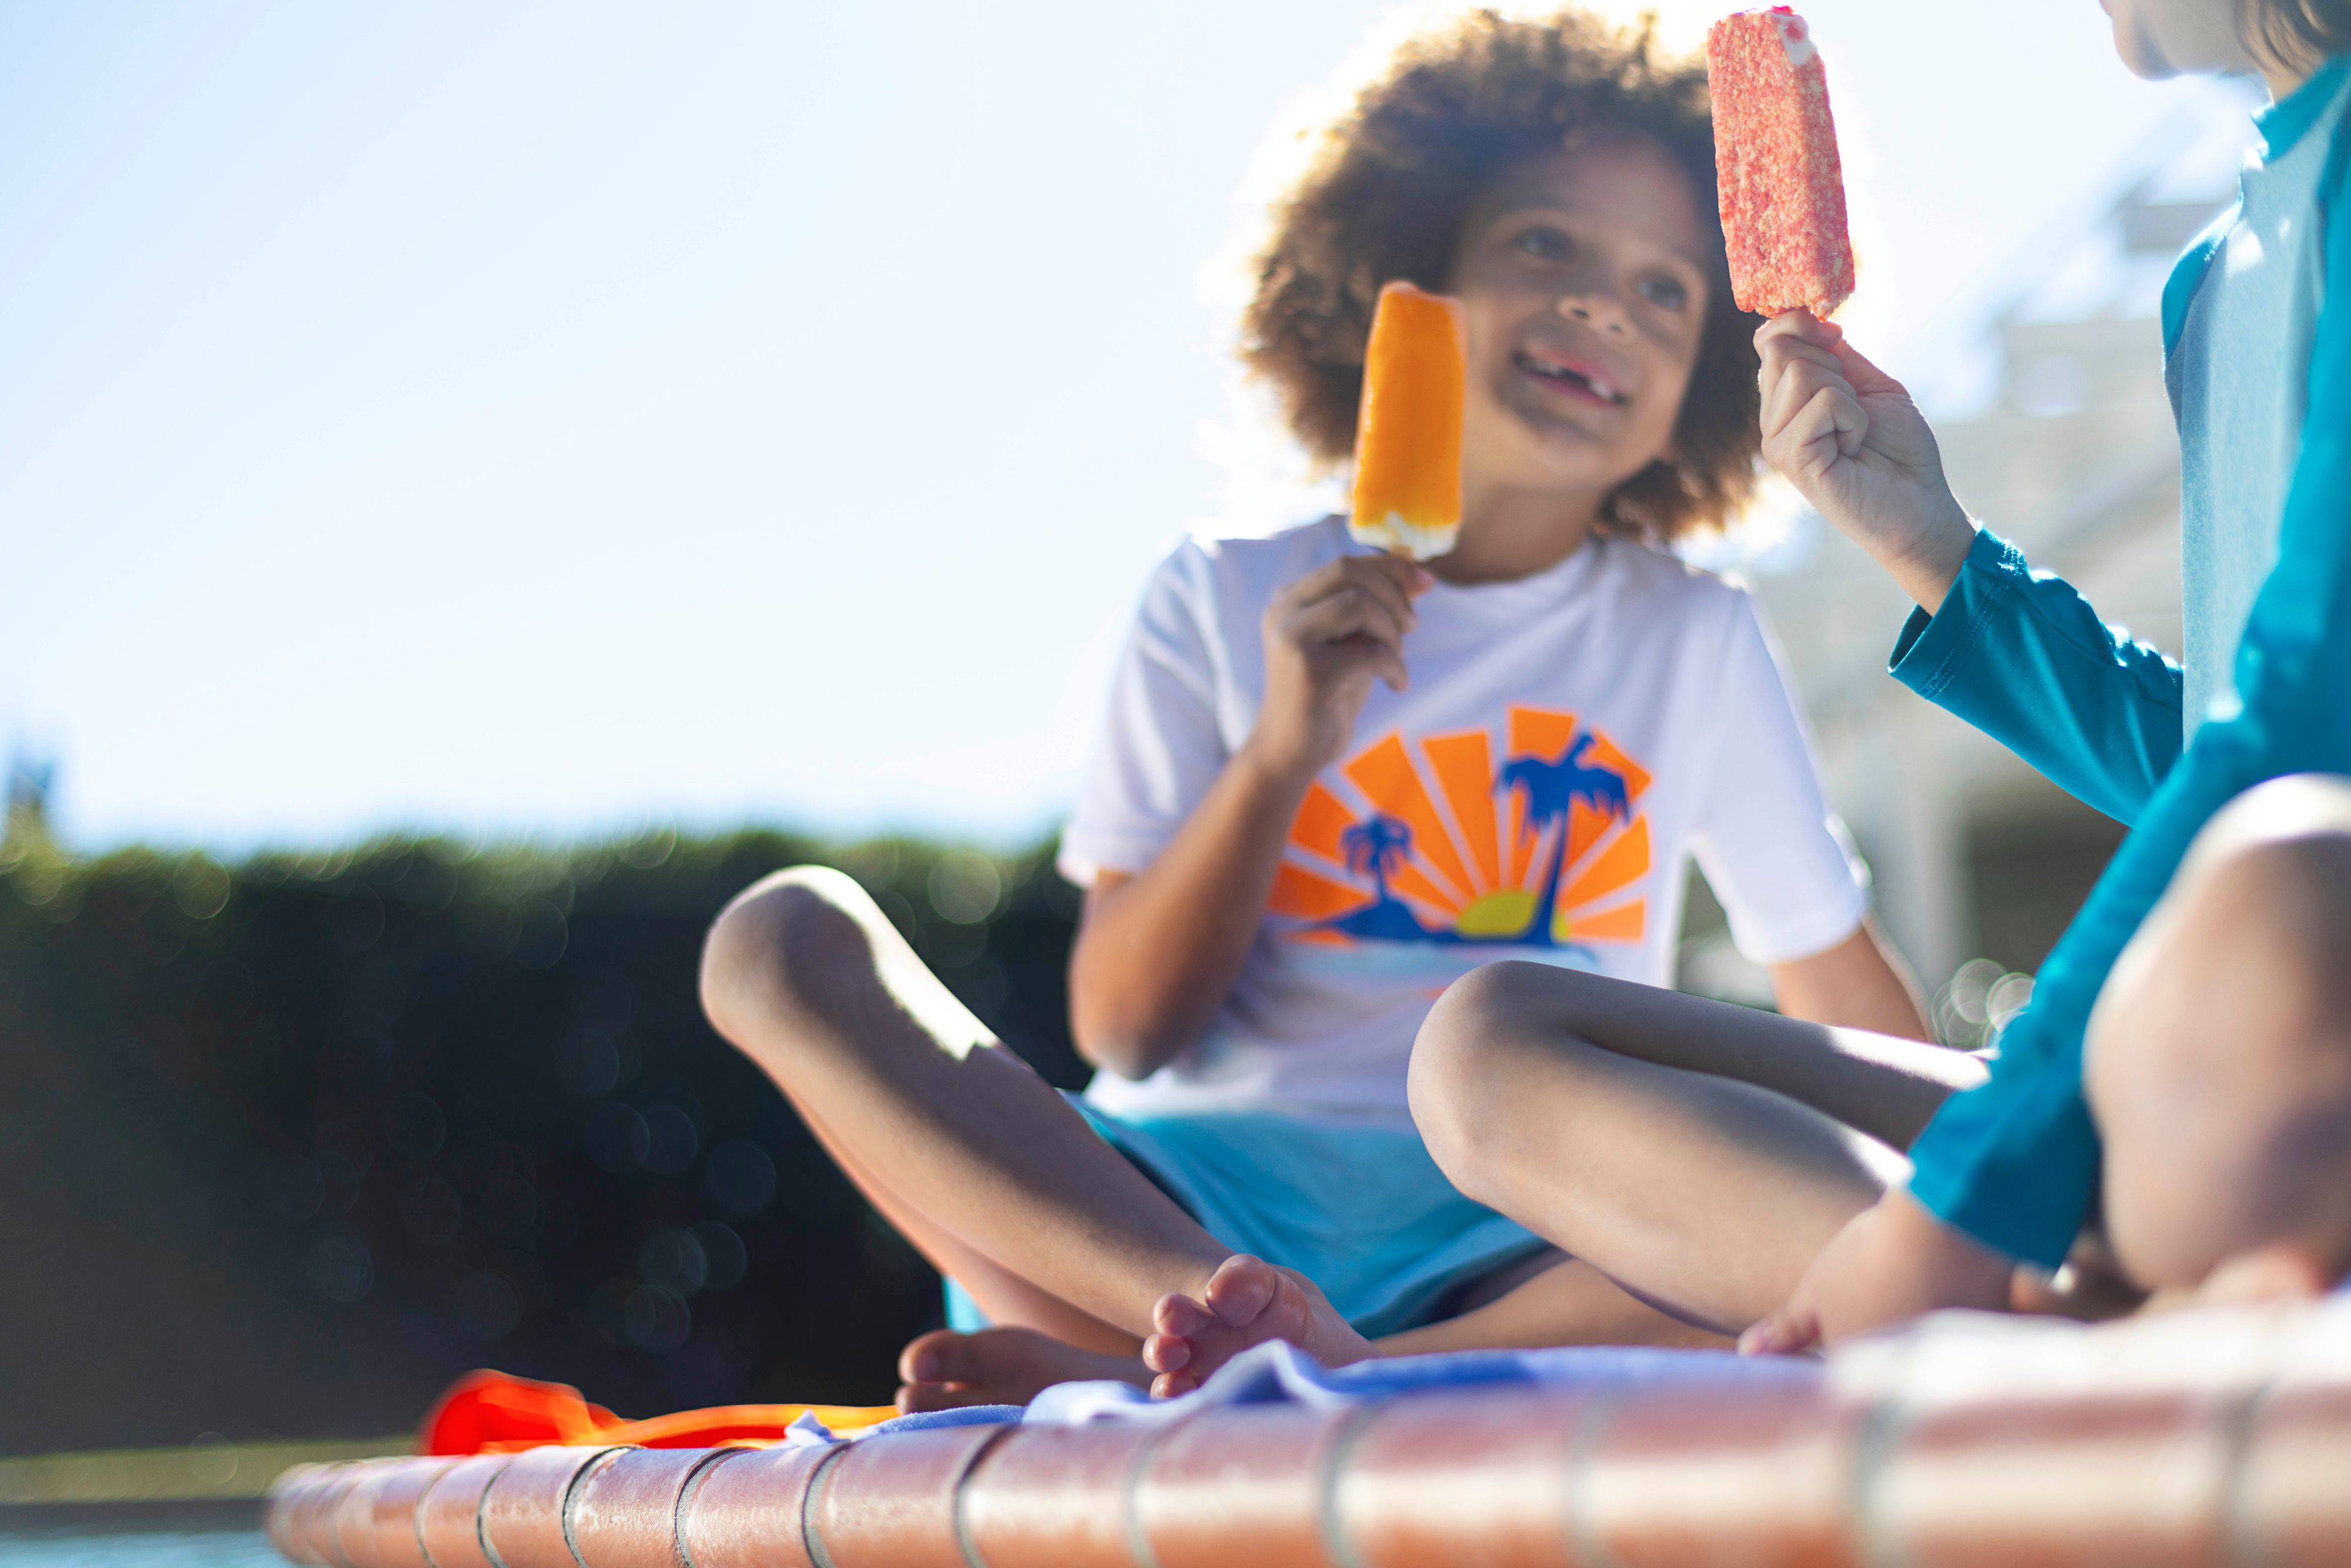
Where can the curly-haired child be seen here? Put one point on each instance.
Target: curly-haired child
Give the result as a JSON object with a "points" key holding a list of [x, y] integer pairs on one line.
{"points": [[1331, 782]]}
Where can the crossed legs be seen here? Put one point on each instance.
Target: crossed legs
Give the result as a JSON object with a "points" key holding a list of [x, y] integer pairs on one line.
{"points": [[972, 1156], [991, 1176], [1697, 1154], [1701, 1154]]}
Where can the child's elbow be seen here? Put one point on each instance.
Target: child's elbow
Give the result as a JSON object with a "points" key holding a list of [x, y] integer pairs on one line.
{"points": [[1118, 1046], [1121, 1021]]}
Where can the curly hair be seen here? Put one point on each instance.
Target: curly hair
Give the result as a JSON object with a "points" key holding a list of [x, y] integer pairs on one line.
{"points": [[1390, 187]]}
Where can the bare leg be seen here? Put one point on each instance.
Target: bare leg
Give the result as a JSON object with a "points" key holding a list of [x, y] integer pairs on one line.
{"points": [[2218, 1062], [1552, 1301], [1037, 1340], [951, 1137], [1007, 1298], [1698, 1154], [1548, 1299]]}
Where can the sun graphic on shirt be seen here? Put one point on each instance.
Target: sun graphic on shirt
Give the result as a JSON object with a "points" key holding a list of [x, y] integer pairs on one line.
{"points": [[1439, 845]]}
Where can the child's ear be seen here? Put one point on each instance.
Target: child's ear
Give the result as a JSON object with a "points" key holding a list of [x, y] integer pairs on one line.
{"points": [[2279, 1271]]}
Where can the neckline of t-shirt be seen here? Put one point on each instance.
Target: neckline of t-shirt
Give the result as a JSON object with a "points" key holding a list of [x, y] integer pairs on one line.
{"points": [[1514, 598]]}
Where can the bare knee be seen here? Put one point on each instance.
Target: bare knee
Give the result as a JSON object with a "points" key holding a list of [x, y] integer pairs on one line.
{"points": [[1473, 1051], [769, 950], [2223, 1043], [2263, 900], [2309, 809]]}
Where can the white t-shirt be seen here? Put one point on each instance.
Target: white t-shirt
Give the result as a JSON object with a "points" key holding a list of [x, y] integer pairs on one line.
{"points": [[1623, 694]]}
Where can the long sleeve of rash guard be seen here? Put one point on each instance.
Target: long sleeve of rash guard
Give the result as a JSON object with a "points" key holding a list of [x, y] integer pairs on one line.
{"points": [[2014, 1163]]}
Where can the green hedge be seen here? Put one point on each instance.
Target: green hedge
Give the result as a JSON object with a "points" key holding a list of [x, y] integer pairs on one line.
{"points": [[285, 1146]]}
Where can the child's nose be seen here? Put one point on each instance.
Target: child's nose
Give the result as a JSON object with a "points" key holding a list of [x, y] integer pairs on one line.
{"points": [[1596, 309]]}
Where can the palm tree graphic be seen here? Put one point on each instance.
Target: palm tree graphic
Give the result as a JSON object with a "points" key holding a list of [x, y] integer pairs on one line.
{"points": [[1550, 790], [1373, 848]]}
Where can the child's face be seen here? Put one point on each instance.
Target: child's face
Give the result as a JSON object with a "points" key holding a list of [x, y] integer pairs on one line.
{"points": [[1584, 277], [2159, 39]]}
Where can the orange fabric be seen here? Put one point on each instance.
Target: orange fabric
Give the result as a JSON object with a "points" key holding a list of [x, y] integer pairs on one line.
{"points": [[490, 1413]]}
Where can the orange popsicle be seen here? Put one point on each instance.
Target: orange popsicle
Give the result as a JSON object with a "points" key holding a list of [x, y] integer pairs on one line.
{"points": [[1780, 185], [1408, 431]]}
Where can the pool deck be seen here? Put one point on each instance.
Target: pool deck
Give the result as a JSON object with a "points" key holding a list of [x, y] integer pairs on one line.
{"points": [[2215, 1436]]}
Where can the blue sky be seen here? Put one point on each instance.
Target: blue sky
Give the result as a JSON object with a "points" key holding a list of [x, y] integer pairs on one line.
{"points": [[535, 418]]}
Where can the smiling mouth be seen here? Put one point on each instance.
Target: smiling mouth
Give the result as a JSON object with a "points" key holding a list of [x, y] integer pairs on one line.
{"points": [[1582, 386]]}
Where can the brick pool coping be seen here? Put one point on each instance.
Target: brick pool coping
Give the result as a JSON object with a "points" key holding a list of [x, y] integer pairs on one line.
{"points": [[2213, 1436]]}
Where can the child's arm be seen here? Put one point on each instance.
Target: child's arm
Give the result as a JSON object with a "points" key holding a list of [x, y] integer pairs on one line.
{"points": [[2011, 1168], [1857, 984], [2018, 654], [1159, 950]]}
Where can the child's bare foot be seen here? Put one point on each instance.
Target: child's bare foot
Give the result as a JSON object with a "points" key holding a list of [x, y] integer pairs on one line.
{"points": [[945, 1370], [1248, 1302]]}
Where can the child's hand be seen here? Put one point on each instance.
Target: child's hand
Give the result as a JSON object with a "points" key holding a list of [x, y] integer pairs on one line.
{"points": [[1847, 436], [1327, 637]]}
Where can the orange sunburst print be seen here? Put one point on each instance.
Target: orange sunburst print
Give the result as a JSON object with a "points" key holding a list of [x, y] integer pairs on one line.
{"points": [[1430, 841]]}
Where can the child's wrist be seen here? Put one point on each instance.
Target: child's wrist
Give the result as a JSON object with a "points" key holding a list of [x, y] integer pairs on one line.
{"points": [[1278, 762], [1932, 564]]}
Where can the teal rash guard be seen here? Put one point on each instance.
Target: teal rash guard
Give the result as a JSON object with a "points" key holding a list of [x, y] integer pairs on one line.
{"points": [[2257, 354]]}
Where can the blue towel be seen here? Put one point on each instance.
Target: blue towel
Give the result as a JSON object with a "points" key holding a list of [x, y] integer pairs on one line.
{"points": [[1279, 1374]]}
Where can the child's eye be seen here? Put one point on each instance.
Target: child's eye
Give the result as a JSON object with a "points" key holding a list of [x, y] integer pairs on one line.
{"points": [[1666, 293], [1548, 244]]}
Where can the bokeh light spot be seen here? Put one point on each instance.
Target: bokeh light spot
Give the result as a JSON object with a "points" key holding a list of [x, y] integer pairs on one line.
{"points": [[340, 1269], [618, 1139], [964, 887], [588, 1063], [432, 1211], [674, 1257], [486, 1306], [740, 1177], [725, 1258], [670, 1140], [417, 1127]]}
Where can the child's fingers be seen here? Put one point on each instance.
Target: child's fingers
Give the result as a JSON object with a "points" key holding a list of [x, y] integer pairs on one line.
{"points": [[1315, 598], [1829, 426], [1800, 326], [1386, 578], [1352, 612], [1389, 665], [1408, 574], [1832, 425], [1393, 580], [1785, 354], [1796, 392]]}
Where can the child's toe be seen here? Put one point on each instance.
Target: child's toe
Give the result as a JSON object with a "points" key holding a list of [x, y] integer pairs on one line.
{"points": [[1180, 1316], [1166, 1353], [1172, 1384], [931, 1357], [1241, 1289]]}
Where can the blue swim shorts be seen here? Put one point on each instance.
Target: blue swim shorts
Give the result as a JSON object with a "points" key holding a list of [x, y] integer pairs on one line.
{"points": [[1358, 1208]]}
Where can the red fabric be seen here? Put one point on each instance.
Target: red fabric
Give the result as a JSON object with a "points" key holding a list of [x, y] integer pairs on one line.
{"points": [[490, 1413]]}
